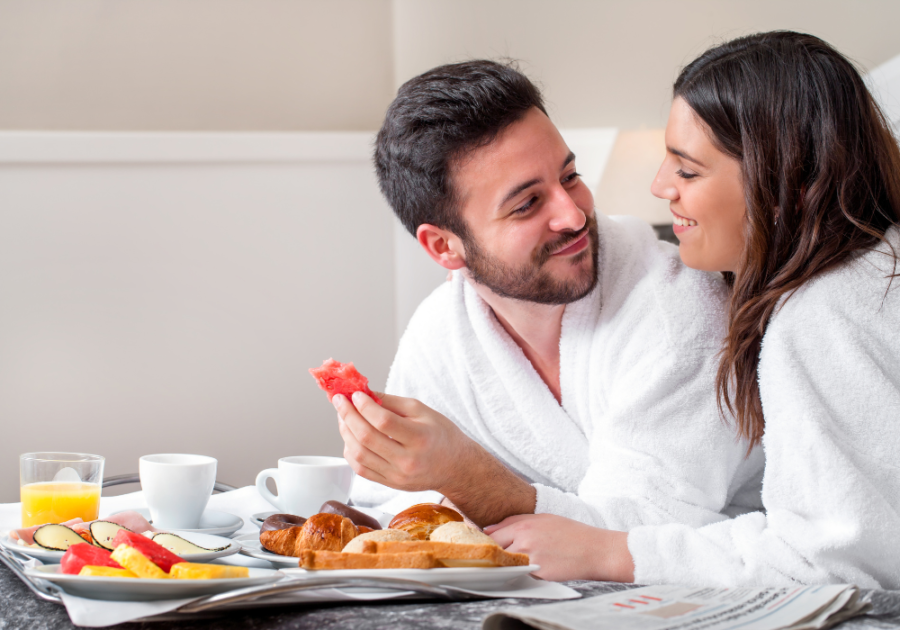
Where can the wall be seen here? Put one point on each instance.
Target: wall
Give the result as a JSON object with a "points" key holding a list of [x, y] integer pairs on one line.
{"points": [[168, 293], [611, 64], [201, 65]]}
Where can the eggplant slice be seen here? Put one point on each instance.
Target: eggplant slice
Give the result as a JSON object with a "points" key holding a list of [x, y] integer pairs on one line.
{"points": [[179, 546]]}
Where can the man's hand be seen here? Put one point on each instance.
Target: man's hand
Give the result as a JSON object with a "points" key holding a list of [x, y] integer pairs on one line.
{"points": [[566, 549], [406, 445]]}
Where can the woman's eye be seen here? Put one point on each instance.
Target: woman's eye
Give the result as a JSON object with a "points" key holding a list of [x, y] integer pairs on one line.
{"points": [[526, 207], [569, 178], [684, 175]]}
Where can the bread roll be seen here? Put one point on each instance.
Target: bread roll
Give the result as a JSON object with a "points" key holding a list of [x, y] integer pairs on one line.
{"points": [[422, 519], [461, 533], [380, 535]]}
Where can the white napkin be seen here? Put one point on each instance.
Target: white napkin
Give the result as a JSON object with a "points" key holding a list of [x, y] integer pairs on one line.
{"points": [[94, 613]]}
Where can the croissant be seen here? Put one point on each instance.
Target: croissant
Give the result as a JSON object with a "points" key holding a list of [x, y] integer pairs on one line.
{"points": [[325, 532], [422, 519]]}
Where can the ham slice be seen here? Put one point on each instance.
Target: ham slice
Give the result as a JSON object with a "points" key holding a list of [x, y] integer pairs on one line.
{"points": [[26, 534], [130, 520]]}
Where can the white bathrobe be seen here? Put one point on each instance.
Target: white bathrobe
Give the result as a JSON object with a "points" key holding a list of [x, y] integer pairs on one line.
{"points": [[829, 378], [638, 438]]}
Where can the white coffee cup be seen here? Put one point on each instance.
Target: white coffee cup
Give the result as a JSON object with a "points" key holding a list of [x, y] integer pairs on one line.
{"points": [[304, 483], [177, 488]]}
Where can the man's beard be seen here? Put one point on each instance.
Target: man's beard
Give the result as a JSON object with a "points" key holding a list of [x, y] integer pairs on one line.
{"points": [[531, 282]]}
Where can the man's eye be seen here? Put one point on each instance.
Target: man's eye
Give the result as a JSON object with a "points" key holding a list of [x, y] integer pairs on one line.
{"points": [[569, 178], [526, 207], [684, 175]]}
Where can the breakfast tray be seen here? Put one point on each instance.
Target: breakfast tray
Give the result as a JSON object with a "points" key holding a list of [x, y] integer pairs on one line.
{"points": [[268, 595]]}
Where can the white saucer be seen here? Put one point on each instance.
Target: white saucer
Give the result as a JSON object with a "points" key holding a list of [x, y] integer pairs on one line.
{"points": [[250, 546], [203, 539], [258, 518], [211, 522]]}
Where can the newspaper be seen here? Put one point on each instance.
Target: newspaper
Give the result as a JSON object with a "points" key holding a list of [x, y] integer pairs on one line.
{"points": [[687, 608]]}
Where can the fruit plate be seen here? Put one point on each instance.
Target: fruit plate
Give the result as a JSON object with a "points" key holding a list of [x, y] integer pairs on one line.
{"points": [[144, 589], [204, 540], [478, 578], [250, 546]]}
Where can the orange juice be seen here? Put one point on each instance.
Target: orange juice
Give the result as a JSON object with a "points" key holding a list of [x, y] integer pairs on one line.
{"points": [[56, 502]]}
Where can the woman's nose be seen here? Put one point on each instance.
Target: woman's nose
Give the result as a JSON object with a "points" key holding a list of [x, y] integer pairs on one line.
{"points": [[663, 186]]}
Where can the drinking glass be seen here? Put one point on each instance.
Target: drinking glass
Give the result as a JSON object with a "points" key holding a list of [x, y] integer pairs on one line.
{"points": [[57, 487]]}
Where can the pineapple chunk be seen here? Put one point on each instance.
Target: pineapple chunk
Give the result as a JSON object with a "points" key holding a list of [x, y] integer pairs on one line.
{"points": [[95, 571], [197, 571], [137, 563]]}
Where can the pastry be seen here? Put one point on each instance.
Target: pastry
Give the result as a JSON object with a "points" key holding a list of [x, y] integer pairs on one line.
{"points": [[422, 519], [330, 532], [449, 554], [381, 535], [456, 532], [359, 519], [281, 521], [329, 560]]}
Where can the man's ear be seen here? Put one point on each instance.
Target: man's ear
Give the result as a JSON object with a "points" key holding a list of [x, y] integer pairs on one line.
{"points": [[443, 246]]}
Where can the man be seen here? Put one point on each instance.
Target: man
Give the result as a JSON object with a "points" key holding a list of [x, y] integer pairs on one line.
{"points": [[570, 361]]}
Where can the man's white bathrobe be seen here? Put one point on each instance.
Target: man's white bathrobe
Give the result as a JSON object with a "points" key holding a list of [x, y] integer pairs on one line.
{"points": [[638, 438], [829, 379]]}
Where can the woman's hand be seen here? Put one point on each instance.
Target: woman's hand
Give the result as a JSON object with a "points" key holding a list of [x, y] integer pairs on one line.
{"points": [[566, 549]]}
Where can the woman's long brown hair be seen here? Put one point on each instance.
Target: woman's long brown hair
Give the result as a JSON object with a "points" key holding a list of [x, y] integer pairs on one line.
{"points": [[821, 177]]}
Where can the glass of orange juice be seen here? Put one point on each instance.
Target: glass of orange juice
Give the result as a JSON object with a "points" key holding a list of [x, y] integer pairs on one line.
{"points": [[57, 487]]}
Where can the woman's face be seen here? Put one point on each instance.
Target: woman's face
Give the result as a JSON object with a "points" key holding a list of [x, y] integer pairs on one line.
{"points": [[705, 193]]}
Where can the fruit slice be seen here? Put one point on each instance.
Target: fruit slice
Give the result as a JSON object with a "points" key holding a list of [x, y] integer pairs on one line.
{"points": [[94, 571], [104, 533], [180, 546], [159, 555], [82, 554], [197, 571], [137, 563], [56, 537], [341, 378]]}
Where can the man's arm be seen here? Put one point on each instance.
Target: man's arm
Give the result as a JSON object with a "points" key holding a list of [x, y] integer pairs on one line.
{"points": [[408, 446]]}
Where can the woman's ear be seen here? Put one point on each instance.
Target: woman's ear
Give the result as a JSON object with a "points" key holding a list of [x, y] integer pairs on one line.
{"points": [[444, 247]]}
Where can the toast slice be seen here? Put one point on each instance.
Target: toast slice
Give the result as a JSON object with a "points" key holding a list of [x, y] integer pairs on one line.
{"points": [[333, 560], [450, 554]]}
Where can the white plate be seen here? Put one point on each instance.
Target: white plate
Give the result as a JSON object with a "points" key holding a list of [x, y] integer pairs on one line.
{"points": [[211, 522], [482, 579], [144, 589], [204, 540], [250, 546]]}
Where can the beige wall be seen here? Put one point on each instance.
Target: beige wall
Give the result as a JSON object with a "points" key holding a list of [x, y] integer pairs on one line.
{"points": [[612, 63], [195, 64]]}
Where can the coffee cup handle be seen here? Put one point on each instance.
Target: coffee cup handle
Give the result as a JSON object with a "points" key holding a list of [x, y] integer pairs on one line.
{"points": [[261, 479]]}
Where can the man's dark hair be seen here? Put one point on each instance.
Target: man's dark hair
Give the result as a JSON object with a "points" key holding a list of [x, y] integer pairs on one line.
{"points": [[436, 119]]}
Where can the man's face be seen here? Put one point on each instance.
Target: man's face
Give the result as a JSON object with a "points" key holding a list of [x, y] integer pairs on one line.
{"points": [[532, 231]]}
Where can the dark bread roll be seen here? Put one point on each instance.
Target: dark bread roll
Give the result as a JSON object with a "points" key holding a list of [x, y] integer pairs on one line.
{"points": [[359, 519], [281, 521], [422, 519]]}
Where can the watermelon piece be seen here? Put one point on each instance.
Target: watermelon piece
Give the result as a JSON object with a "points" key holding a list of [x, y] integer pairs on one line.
{"points": [[154, 552], [81, 555], [341, 378]]}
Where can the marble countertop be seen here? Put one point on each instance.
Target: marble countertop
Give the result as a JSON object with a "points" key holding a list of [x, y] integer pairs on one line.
{"points": [[19, 609]]}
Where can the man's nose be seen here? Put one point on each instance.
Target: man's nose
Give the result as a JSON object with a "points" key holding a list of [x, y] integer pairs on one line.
{"points": [[566, 213]]}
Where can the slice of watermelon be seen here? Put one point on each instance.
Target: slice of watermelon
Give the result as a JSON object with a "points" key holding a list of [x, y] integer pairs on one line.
{"points": [[341, 378], [82, 554], [154, 552]]}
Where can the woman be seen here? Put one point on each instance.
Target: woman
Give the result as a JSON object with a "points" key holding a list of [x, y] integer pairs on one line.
{"points": [[782, 173]]}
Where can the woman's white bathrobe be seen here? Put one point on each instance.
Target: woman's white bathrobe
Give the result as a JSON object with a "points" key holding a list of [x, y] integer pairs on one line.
{"points": [[829, 378], [637, 439]]}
